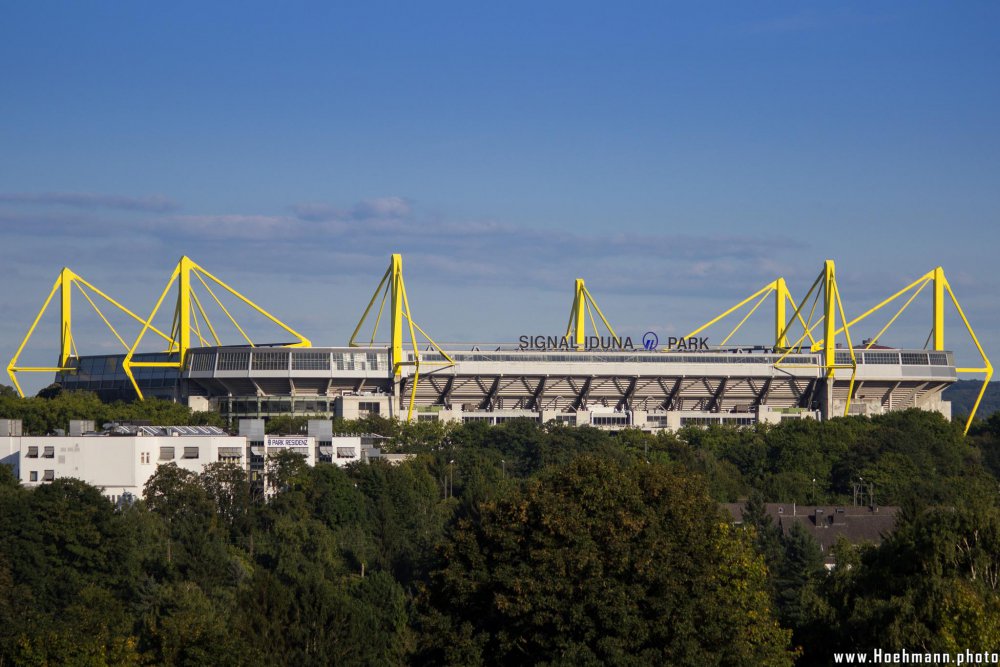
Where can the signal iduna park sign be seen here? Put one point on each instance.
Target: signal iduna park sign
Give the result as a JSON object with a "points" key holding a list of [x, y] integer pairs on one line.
{"points": [[650, 341]]}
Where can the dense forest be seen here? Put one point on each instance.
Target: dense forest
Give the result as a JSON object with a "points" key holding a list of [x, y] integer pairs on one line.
{"points": [[508, 545]]}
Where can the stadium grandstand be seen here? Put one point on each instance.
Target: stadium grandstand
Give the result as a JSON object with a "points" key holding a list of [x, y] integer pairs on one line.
{"points": [[810, 370]]}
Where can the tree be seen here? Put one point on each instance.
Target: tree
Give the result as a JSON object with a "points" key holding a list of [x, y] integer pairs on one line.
{"points": [[196, 546], [601, 562], [933, 585]]}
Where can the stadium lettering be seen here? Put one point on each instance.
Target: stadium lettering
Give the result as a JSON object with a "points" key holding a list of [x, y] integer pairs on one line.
{"points": [[565, 343], [700, 343]]}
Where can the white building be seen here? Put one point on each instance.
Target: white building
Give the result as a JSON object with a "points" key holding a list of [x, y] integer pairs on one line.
{"points": [[122, 459], [122, 462]]}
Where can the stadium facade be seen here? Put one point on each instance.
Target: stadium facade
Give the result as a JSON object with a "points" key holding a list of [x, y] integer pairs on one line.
{"points": [[609, 389], [603, 380]]}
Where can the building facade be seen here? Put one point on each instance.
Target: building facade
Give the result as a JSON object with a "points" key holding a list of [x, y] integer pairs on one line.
{"points": [[614, 389]]}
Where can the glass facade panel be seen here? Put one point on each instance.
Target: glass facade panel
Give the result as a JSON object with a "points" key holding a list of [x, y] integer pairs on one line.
{"points": [[203, 361], [310, 361], [938, 358], [234, 361], [915, 359], [270, 361], [881, 357]]}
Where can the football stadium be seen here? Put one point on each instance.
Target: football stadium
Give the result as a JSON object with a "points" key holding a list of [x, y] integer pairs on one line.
{"points": [[812, 368]]}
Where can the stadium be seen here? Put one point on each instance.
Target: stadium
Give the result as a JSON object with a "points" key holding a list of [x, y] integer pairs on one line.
{"points": [[810, 370]]}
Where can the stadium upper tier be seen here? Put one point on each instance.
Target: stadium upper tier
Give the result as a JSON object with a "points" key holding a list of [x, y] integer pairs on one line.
{"points": [[644, 389]]}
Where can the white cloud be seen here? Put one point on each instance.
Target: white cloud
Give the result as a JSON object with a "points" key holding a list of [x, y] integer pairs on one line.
{"points": [[91, 200]]}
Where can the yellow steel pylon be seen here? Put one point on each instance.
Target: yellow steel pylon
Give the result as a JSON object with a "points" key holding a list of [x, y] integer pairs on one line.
{"points": [[393, 287], [941, 287], [825, 285], [64, 284], [584, 304], [185, 321]]}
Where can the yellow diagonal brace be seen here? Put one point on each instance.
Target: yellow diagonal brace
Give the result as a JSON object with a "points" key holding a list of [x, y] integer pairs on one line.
{"points": [[225, 310], [899, 312], [204, 315], [101, 315], [850, 347], [12, 367], [798, 313], [137, 318], [127, 362], [765, 290], [988, 368], [381, 284], [919, 281], [303, 341], [745, 318]]}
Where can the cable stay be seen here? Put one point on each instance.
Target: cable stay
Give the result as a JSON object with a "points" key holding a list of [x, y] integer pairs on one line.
{"points": [[775, 289], [393, 287], [186, 324], [64, 285]]}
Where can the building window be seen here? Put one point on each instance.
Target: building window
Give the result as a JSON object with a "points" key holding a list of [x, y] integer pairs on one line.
{"points": [[616, 420], [32, 452], [346, 453], [344, 361], [700, 421], [233, 361], [231, 454], [190, 452], [49, 452], [203, 361], [33, 476], [49, 475], [143, 457], [366, 408]]}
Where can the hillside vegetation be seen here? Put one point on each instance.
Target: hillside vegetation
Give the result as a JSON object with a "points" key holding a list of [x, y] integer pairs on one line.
{"points": [[516, 544]]}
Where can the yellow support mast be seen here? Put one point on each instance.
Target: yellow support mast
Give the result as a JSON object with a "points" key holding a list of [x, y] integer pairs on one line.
{"points": [[584, 305], [825, 285], [942, 292], [185, 318], [393, 287], [64, 284]]}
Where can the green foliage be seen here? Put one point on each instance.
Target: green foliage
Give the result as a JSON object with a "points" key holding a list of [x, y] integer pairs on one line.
{"points": [[515, 544], [600, 562], [932, 586]]}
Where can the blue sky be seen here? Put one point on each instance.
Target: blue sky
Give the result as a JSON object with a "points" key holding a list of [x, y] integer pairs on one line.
{"points": [[676, 155]]}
